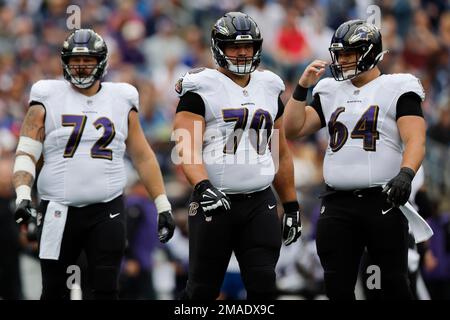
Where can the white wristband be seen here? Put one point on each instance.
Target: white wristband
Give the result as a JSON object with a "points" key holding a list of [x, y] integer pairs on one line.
{"points": [[23, 192], [24, 163], [162, 203], [30, 146]]}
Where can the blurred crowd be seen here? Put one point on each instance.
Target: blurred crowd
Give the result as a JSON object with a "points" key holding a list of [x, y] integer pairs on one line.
{"points": [[151, 44]]}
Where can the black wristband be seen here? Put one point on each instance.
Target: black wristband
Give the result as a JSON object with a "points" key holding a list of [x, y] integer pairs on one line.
{"points": [[291, 206], [202, 186], [300, 93], [408, 171]]}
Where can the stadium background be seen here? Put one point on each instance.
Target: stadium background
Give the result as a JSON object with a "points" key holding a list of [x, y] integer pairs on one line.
{"points": [[152, 43]]}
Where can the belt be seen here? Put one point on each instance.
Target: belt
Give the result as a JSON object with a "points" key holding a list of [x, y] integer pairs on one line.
{"points": [[355, 192], [244, 196]]}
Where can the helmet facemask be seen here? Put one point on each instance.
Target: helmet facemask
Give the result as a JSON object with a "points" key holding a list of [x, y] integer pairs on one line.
{"points": [[360, 37], [237, 65], [77, 75], [236, 28], [87, 43], [344, 71]]}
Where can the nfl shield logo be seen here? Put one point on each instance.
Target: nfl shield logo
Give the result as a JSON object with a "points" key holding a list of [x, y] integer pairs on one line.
{"points": [[57, 214]]}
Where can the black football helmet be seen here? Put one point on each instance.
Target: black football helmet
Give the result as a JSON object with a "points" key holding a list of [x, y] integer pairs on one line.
{"points": [[360, 37], [84, 42], [235, 28]]}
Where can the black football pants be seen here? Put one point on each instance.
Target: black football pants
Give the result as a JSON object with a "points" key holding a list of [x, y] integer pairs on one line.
{"points": [[349, 222], [97, 229], [251, 229]]}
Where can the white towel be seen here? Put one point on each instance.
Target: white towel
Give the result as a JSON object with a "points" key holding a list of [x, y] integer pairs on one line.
{"points": [[52, 231], [418, 226]]}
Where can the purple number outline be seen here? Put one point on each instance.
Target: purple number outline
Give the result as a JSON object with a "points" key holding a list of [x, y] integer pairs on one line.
{"points": [[78, 123], [240, 116], [366, 128], [99, 149], [337, 130], [257, 122]]}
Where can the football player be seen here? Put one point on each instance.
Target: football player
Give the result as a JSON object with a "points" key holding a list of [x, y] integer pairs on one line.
{"points": [[236, 109], [81, 127], [376, 133]]}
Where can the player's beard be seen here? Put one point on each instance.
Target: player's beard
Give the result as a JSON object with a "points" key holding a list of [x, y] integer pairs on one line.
{"points": [[82, 75], [82, 71], [345, 71], [240, 65]]}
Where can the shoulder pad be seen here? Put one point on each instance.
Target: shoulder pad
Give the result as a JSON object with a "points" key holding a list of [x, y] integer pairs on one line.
{"points": [[125, 91], [190, 81], [42, 89], [275, 81], [411, 83], [323, 85]]}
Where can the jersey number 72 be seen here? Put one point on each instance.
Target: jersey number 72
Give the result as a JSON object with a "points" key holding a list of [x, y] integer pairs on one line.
{"points": [[99, 149]]}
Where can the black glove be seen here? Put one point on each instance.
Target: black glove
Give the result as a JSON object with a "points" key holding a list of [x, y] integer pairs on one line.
{"points": [[292, 225], [24, 212], [399, 188], [166, 226], [211, 198]]}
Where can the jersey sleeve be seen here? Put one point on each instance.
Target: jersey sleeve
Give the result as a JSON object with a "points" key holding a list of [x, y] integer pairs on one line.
{"points": [[412, 84], [317, 105], [191, 102], [133, 97], [278, 84], [321, 86], [321, 89], [409, 104], [39, 93], [186, 83], [280, 108], [273, 82]]}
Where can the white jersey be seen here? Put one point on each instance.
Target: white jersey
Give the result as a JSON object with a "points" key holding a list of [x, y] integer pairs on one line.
{"points": [[84, 141], [365, 148], [232, 158]]}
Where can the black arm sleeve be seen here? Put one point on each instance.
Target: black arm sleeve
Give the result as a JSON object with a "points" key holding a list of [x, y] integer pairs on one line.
{"points": [[34, 102], [191, 102], [318, 107], [409, 104], [280, 108]]}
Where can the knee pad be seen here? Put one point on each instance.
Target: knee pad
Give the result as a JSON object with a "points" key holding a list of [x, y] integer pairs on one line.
{"points": [[260, 283], [199, 291], [105, 283]]}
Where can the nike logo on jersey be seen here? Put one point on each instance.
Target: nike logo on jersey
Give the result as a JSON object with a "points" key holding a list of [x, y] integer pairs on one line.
{"points": [[112, 216], [271, 207], [385, 211]]}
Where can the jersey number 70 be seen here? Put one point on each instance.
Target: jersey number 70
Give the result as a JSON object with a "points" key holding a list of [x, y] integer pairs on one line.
{"points": [[240, 116]]}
